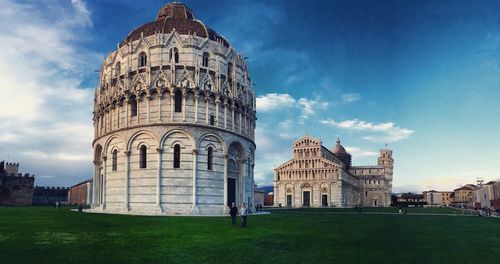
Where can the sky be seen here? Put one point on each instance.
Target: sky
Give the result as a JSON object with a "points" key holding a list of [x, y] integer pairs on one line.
{"points": [[422, 77]]}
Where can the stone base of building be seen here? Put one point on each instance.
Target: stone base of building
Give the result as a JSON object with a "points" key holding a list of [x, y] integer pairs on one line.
{"points": [[156, 211]]}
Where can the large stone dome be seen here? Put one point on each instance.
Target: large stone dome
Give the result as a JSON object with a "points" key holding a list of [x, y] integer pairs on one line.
{"points": [[178, 17], [174, 119], [341, 153]]}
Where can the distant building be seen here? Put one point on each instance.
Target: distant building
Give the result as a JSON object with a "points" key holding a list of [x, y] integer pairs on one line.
{"points": [[50, 195], [411, 200], [462, 197], [258, 196], [269, 199], [81, 193], [437, 198], [15, 189], [484, 196], [319, 177]]}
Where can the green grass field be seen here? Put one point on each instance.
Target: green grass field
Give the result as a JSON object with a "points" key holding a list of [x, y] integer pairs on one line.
{"points": [[48, 235]]}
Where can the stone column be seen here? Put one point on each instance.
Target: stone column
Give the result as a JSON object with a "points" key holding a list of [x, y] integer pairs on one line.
{"points": [[95, 183], [194, 207], [103, 188], [196, 96], [241, 121], [206, 110], [225, 114], [172, 106], [224, 209], [232, 117], [158, 181], [127, 177], [217, 102], [148, 97], [138, 116], [243, 177], [126, 113], [184, 95], [118, 116], [160, 94]]}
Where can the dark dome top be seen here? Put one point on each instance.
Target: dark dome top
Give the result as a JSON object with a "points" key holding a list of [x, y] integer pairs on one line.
{"points": [[175, 16], [339, 149]]}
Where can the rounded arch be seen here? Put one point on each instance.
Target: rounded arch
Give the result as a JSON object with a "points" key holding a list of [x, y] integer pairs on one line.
{"points": [[221, 141], [138, 133], [110, 140], [98, 153], [169, 133]]}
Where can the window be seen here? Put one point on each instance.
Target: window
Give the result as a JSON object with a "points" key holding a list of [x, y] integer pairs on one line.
{"points": [[205, 59], [178, 101], [117, 69], [177, 156], [143, 59], [229, 69], [212, 120], [143, 157], [133, 105], [115, 160], [210, 158], [174, 54], [366, 194]]}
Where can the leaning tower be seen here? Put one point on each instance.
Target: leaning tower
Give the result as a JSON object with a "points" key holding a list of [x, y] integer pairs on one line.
{"points": [[174, 119], [386, 161]]}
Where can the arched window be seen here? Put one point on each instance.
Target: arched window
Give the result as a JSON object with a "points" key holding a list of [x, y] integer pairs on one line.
{"points": [[115, 160], [174, 53], [212, 120], [133, 105], [206, 56], [143, 157], [178, 101], [117, 69], [143, 59], [229, 69], [210, 158], [177, 156]]}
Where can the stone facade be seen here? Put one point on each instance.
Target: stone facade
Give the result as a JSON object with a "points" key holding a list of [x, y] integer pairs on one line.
{"points": [[174, 119], [15, 189], [319, 177]]}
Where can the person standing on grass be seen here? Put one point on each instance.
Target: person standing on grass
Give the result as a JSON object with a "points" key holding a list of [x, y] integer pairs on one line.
{"points": [[244, 213], [233, 211]]}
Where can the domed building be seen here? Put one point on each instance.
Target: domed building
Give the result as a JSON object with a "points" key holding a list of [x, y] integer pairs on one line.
{"points": [[319, 177], [174, 118]]}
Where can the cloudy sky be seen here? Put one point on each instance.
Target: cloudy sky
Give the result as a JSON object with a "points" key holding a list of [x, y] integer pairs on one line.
{"points": [[420, 76]]}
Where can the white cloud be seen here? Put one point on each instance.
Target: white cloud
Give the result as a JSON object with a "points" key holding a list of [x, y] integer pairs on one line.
{"points": [[44, 111], [382, 132], [309, 106], [350, 97], [361, 153], [273, 101]]}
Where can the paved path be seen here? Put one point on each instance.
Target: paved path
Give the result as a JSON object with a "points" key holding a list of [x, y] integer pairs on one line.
{"points": [[371, 213]]}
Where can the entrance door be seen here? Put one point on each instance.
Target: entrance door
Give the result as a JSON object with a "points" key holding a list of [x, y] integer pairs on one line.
{"points": [[306, 198], [289, 200], [231, 191], [324, 200]]}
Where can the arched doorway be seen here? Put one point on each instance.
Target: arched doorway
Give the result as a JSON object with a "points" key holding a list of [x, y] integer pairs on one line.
{"points": [[98, 177], [234, 174]]}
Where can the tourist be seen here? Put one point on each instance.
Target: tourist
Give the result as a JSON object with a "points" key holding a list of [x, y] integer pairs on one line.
{"points": [[233, 211], [244, 215]]}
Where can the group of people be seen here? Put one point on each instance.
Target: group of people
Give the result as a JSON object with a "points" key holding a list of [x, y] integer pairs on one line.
{"points": [[233, 211]]}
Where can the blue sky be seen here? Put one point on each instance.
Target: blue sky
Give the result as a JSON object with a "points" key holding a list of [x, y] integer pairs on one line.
{"points": [[421, 76]]}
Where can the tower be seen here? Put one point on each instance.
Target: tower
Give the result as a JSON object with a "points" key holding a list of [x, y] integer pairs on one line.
{"points": [[174, 121], [387, 162]]}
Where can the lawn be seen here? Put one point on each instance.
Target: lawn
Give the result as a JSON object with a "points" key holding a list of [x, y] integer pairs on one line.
{"points": [[48, 235]]}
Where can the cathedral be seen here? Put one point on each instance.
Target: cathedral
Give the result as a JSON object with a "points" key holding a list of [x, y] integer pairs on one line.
{"points": [[174, 120], [319, 177]]}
